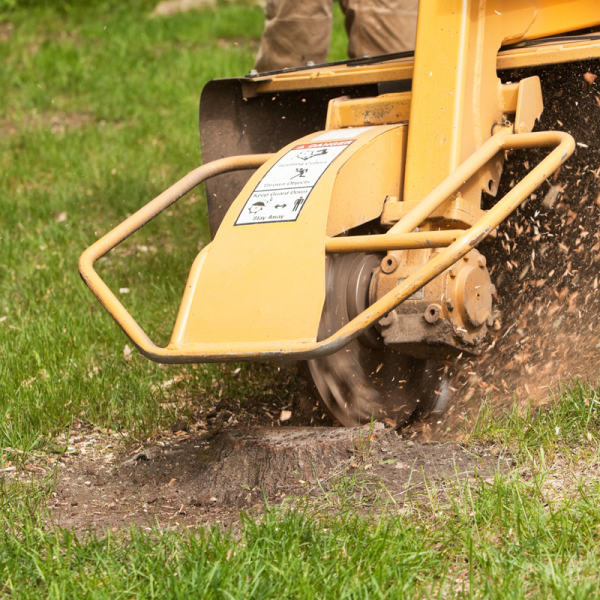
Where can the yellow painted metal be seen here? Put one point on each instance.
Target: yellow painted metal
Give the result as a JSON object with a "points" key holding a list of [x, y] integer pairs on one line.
{"points": [[366, 179], [559, 16], [523, 102], [330, 76], [524, 97], [384, 242], [530, 104], [456, 92], [136, 221], [456, 212], [380, 110], [257, 291], [266, 281], [193, 351], [553, 52], [424, 209], [188, 296]]}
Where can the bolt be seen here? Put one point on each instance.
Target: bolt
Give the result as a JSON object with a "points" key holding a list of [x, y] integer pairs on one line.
{"points": [[450, 304], [433, 313], [389, 264], [452, 271], [481, 262], [466, 258], [310, 63], [253, 73]]}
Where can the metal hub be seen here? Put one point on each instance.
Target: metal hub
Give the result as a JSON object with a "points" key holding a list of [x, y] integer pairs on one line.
{"points": [[473, 294], [366, 379], [447, 317]]}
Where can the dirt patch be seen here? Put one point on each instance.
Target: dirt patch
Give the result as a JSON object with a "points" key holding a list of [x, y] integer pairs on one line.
{"points": [[206, 477], [6, 30]]}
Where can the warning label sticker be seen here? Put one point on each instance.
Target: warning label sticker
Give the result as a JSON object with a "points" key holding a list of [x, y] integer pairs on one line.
{"points": [[283, 191]]}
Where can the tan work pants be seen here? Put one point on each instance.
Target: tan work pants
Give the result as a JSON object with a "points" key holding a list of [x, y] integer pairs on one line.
{"points": [[298, 31]]}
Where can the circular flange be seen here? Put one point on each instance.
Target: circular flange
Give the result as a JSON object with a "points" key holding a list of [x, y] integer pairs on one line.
{"points": [[468, 296], [474, 296]]}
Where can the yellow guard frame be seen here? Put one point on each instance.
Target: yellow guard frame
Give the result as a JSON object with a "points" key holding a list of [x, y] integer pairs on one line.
{"points": [[400, 236], [455, 67]]}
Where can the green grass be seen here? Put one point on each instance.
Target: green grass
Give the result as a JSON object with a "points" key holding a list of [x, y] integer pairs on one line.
{"points": [[507, 538], [568, 423], [99, 114]]}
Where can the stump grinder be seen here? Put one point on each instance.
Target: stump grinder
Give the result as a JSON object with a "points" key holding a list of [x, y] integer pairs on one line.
{"points": [[412, 225]]}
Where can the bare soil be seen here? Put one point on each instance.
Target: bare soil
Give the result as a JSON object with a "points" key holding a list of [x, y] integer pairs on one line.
{"points": [[6, 30], [188, 478]]}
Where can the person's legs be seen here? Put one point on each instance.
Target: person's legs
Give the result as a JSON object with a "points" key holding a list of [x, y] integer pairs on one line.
{"points": [[380, 26], [296, 31]]}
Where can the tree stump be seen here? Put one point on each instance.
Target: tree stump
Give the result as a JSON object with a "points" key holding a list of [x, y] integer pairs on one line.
{"points": [[244, 464]]}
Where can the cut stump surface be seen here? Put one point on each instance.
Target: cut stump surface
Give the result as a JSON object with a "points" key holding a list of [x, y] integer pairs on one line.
{"points": [[210, 476]]}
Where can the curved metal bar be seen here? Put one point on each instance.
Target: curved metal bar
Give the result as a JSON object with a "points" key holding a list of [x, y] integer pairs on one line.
{"points": [[199, 352], [473, 236], [136, 221], [384, 242]]}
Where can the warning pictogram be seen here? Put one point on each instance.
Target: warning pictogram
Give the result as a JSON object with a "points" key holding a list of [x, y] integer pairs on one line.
{"points": [[283, 191]]}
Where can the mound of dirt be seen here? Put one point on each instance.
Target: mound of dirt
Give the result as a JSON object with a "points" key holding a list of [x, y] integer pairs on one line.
{"points": [[209, 477]]}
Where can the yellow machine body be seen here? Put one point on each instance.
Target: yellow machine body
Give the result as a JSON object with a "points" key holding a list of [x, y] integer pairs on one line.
{"points": [[331, 201], [416, 162]]}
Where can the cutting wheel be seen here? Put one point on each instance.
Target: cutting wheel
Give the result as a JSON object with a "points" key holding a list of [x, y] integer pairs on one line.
{"points": [[367, 380]]}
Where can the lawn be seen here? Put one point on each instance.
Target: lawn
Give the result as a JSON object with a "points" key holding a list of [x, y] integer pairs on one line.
{"points": [[99, 113], [532, 532]]}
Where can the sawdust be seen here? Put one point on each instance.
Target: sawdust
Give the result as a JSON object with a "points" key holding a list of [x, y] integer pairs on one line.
{"points": [[545, 265]]}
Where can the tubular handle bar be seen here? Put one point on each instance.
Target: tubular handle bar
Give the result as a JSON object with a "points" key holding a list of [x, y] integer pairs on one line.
{"points": [[399, 236]]}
